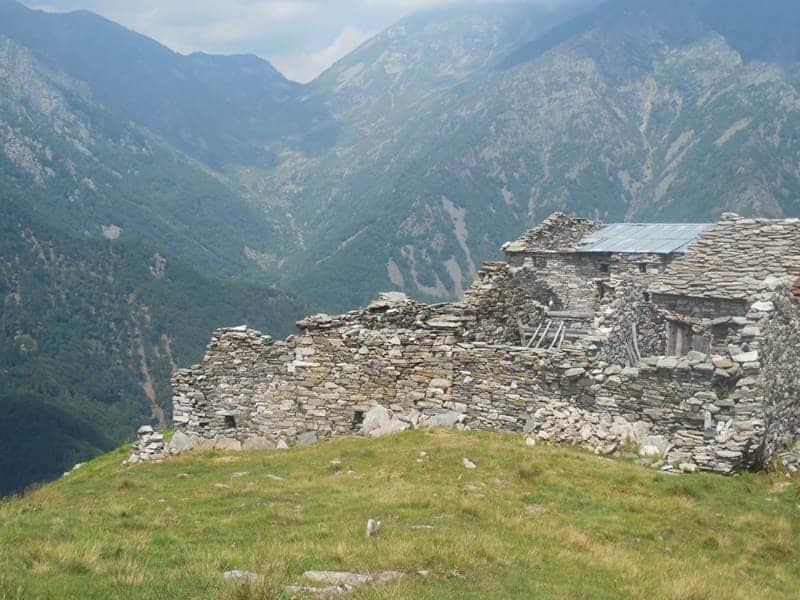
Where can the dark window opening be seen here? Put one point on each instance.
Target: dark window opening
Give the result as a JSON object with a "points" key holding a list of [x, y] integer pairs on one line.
{"points": [[601, 290], [646, 296], [358, 418], [605, 268], [643, 267], [230, 422]]}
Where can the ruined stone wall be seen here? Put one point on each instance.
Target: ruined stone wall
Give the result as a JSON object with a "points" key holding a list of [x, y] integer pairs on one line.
{"points": [[782, 372], [502, 299], [571, 277], [630, 307], [321, 383], [701, 307], [463, 364]]}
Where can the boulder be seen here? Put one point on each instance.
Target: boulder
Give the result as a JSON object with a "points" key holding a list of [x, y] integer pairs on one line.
{"points": [[394, 426], [258, 443], [307, 438], [574, 373], [206, 444], [243, 577], [227, 444], [377, 417], [373, 527], [448, 420], [721, 362], [654, 445], [746, 357], [667, 362], [181, 442], [641, 430], [649, 451], [338, 577], [763, 307]]}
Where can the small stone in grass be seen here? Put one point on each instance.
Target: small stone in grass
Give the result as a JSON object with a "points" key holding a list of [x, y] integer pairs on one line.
{"points": [[468, 464], [373, 527], [242, 577]]}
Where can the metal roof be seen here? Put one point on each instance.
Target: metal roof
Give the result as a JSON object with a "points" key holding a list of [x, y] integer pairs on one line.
{"points": [[644, 238]]}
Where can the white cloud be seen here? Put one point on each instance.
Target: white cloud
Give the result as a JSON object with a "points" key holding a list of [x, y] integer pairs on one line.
{"points": [[254, 19], [306, 66]]}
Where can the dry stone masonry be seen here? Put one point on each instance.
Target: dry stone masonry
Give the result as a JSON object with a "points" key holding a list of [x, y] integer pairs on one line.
{"points": [[681, 340]]}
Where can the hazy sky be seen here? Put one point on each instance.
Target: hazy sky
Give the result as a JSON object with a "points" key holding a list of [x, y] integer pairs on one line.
{"points": [[300, 37]]}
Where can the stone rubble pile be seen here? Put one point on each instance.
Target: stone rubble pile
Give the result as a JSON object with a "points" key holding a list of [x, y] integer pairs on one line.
{"points": [[560, 422], [790, 459], [557, 232], [148, 446]]}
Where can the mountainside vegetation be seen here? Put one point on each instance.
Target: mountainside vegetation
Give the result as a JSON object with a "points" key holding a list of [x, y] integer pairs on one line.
{"points": [[537, 522], [630, 111], [91, 330], [149, 196], [119, 254]]}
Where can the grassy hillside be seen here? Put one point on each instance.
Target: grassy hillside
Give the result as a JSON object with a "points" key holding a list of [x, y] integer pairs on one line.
{"points": [[527, 522]]}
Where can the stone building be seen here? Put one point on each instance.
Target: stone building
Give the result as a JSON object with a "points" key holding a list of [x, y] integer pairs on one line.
{"points": [[681, 339]]}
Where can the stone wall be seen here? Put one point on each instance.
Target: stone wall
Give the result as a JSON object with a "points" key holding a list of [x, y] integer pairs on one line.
{"points": [[703, 410], [782, 372], [630, 309]]}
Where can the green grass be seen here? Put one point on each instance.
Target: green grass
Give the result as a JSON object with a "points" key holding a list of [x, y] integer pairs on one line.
{"points": [[527, 523]]}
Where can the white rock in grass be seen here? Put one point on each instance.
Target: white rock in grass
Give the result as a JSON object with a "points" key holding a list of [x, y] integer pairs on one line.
{"points": [[324, 592], [245, 577], [468, 464], [373, 527], [338, 577]]}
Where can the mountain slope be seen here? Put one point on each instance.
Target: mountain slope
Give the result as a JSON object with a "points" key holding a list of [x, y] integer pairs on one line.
{"points": [[630, 110], [90, 330], [90, 170], [118, 255], [220, 109]]}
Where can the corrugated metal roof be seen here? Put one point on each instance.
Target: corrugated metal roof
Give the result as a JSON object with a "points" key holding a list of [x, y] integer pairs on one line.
{"points": [[644, 238]]}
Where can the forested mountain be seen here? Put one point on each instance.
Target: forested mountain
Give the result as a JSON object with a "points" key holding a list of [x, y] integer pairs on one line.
{"points": [[220, 109], [148, 197], [632, 110], [91, 329], [119, 252]]}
